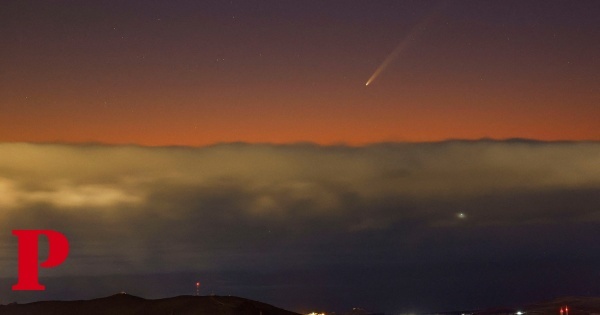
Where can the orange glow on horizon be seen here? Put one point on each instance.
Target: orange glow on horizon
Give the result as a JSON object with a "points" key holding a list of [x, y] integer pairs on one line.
{"points": [[386, 126]]}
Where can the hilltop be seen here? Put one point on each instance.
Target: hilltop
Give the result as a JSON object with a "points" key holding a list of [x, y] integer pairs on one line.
{"points": [[125, 304]]}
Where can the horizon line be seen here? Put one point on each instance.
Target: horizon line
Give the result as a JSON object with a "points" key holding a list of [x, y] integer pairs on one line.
{"points": [[305, 143]]}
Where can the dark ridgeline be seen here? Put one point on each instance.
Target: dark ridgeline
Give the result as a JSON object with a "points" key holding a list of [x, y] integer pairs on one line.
{"points": [[124, 304]]}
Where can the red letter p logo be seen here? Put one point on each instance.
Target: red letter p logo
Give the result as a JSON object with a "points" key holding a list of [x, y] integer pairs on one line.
{"points": [[58, 249]]}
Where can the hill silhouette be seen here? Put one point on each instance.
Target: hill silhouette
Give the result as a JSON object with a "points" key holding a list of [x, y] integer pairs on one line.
{"points": [[125, 304]]}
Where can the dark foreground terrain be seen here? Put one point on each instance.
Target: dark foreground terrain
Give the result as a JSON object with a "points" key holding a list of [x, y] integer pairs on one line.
{"points": [[124, 304], [576, 305]]}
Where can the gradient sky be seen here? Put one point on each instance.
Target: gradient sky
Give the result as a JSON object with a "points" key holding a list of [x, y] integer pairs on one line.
{"points": [[203, 72], [260, 164]]}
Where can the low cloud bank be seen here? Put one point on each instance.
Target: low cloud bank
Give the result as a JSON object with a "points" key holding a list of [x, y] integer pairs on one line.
{"points": [[130, 209]]}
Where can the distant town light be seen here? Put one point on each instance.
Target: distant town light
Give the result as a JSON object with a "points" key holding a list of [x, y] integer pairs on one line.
{"points": [[520, 313]]}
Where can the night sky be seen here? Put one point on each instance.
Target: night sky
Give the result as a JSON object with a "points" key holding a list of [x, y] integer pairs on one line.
{"points": [[201, 72], [400, 156]]}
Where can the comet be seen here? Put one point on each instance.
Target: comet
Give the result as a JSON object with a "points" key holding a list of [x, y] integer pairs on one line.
{"points": [[408, 39]]}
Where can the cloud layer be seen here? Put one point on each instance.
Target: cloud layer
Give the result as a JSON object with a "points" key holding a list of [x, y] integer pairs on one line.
{"points": [[138, 210]]}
